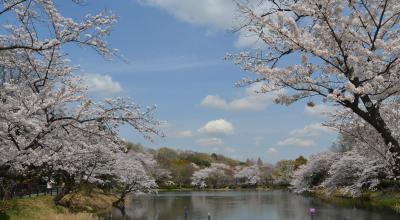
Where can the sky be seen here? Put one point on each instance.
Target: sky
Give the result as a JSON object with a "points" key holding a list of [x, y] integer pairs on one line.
{"points": [[173, 57]]}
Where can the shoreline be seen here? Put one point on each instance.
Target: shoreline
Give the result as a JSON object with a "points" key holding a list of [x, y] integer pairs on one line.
{"points": [[42, 207], [375, 200]]}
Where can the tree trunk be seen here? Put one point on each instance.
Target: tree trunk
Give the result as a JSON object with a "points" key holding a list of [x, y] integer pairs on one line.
{"points": [[374, 118], [120, 203], [7, 183], [64, 191], [392, 143], [69, 184]]}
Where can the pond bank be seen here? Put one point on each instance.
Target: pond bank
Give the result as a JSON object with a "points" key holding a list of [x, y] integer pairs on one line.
{"points": [[40, 208], [387, 200], [84, 204]]}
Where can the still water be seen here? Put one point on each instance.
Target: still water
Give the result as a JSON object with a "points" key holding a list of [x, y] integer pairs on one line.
{"points": [[243, 205]]}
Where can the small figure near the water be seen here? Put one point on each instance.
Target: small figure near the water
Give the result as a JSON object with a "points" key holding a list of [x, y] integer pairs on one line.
{"points": [[312, 212]]}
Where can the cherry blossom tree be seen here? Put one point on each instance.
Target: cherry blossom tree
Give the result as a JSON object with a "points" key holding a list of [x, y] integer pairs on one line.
{"points": [[347, 53], [249, 175], [353, 173], [218, 174], [361, 160], [133, 174], [359, 136], [314, 172], [47, 119]]}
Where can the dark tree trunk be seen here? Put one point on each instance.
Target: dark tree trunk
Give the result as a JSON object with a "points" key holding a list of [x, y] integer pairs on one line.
{"points": [[391, 142], [7, 183], [120, 203], [69, 184], [374, 118], [64, 191]]}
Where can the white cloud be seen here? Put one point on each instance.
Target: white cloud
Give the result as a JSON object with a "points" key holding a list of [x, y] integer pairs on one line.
{"points": [[272, 150], [217, 14], [186, 133], [311, 130], [217, 127], [296, 142], [249, 40], [214, 101], [205, 142], [250, 101], [305, 136], [214, 14], [320, 110], [101, 83]]}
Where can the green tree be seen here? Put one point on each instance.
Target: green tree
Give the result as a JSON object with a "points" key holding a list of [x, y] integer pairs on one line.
{"points": [[299, 161], [181, 170]]}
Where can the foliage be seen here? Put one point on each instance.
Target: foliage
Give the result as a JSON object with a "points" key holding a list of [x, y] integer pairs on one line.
{"points": [[299, 162], [283, 172], [181, 171]]}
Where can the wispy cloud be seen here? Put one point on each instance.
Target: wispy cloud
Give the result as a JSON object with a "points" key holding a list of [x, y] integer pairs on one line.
{"points": [[160, 65], [311, 130], [215, 14], [206, 142], [304, 137], [249, 101], [296, 141], [186, 133], [272, 150]]}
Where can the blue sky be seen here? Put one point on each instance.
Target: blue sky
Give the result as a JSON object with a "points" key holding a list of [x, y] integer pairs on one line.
{"points": [[176, 52]]}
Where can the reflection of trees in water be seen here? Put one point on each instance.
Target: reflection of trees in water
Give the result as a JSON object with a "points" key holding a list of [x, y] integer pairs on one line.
{"points": [[149, 207], [293, 207], [274, 205]]}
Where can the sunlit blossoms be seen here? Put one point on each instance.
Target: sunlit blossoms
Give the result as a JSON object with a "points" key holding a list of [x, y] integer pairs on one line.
{"points": [[216, 175], [250, 175], [314, 172], [132, 173], [46, 118], [347, 53]]}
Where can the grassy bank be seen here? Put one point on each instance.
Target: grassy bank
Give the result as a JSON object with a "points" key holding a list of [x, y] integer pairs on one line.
{"points": [[79, 205], [39, 208], [387, 200], [89, 200]]}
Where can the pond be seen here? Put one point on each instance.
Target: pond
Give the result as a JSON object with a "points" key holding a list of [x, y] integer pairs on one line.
{"points": [[243, 205]]}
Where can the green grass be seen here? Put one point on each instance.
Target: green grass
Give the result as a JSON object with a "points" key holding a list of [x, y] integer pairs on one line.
{"points": [[39, 208], [93, 200], [386, 200], [390, 200], [30, 208]]}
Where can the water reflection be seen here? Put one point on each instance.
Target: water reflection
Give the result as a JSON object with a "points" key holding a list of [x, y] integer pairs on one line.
{"points": [[272, 205]]}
